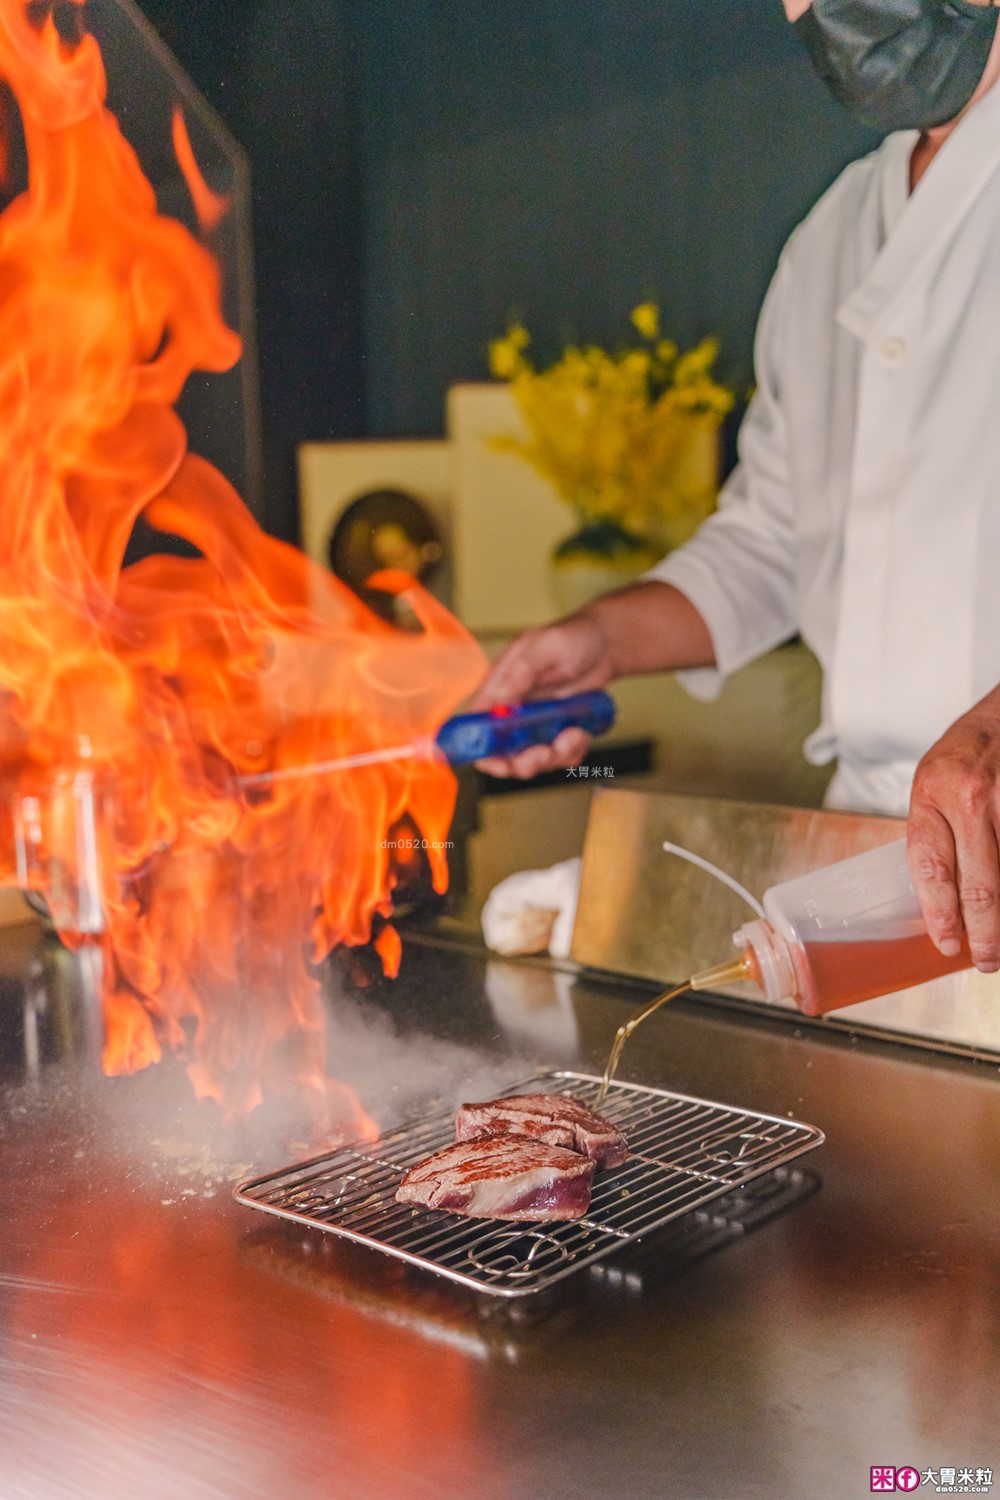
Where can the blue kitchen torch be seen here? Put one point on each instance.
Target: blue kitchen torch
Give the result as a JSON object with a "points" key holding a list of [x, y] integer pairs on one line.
{"points": [[505, 729]]}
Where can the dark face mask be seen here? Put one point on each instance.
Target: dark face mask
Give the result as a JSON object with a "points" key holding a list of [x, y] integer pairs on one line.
{"points": [[899, 64]]}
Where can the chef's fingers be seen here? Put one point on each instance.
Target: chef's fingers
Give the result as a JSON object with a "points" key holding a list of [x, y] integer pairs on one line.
{"points": [[979, 885], [520, 668], [512, 676], [930, 856], [567, 749], [952, 840], [553, 661]]}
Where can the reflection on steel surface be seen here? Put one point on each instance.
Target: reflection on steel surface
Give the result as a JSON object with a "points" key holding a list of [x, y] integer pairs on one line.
{"points": [[697, 1235], [645, 913], [684, 1153]]}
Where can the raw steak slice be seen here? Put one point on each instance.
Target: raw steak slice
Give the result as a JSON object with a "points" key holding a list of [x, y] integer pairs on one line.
{"points": [[548, 1117], [502, 1177]]}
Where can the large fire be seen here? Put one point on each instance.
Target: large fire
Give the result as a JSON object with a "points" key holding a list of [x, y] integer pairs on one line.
{"points": [[135, 701]]}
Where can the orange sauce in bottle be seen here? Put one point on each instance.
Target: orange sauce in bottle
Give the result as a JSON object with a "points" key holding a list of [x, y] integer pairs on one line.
{"points": [[846, 973]]}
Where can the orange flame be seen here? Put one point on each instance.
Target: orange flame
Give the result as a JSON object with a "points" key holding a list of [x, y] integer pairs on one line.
{"points": [[210, 208], [133, 700]]}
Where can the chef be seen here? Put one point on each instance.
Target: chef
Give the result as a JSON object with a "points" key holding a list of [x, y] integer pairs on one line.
{"points": [[865, 510]]}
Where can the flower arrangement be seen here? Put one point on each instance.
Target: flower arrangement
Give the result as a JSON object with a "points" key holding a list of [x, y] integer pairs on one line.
{"points": [[615, 433]]}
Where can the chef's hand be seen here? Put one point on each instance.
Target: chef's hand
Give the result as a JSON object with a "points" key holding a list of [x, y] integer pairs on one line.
{"points": [[570, 656], [648, 627], [953, 832]]}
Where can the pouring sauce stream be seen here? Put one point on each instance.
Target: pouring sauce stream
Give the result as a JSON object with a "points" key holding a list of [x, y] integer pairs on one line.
{"points": [[726, 973]]}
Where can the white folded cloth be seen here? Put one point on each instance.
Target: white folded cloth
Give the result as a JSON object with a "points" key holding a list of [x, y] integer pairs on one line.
{"points": [[534, 910]]}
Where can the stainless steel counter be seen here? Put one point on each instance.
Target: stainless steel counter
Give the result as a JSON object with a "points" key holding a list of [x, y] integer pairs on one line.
{"points": [[158, 1341]]}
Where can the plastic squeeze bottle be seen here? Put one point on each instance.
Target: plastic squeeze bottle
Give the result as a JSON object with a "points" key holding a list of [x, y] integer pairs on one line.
{"points": [[845, 933]]}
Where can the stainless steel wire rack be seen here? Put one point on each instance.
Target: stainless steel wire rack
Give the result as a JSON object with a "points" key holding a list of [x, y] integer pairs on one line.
{"points": [[683, 1152]]}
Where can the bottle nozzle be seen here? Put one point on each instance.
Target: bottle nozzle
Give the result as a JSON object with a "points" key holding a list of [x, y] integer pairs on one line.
{"points": [[733, 970]]}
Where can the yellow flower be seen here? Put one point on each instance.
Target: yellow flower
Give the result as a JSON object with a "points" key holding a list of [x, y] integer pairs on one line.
{"points": [[614, 433], [507, 354], [504, 359], [635, 365], [697, 361], [646, 318]]}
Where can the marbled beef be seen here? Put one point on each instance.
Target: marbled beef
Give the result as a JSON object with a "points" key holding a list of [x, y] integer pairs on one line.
{"points": [[502, 1176], [554, 1118]]}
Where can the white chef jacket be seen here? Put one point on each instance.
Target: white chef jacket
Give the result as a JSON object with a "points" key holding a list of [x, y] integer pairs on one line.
{"points": [[865, 510]]}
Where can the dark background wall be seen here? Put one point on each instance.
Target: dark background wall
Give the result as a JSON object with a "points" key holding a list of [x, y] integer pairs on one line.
{"points": [[567, 158], [281, 75], [422, 168]]}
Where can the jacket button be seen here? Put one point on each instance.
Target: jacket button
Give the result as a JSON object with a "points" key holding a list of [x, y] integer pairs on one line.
{"points": [[893, 353]]}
